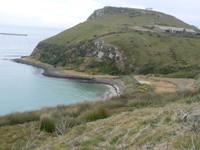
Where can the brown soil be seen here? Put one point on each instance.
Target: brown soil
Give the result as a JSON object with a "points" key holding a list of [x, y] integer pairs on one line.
{"points": [[167, 84]]}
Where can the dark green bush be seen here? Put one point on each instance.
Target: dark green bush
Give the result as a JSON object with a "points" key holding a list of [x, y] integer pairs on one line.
{"points": [[47, 123], [99, 113], [167, 120]]}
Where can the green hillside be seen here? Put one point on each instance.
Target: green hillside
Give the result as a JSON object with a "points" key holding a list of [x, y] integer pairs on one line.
{"points": [[120, 41]]}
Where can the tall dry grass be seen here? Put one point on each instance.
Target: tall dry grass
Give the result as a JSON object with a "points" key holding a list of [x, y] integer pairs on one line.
{"points": [[90, 111]]}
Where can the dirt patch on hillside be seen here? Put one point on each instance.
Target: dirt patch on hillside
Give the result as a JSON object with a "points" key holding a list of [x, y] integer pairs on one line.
{"points": [[167, 84]]}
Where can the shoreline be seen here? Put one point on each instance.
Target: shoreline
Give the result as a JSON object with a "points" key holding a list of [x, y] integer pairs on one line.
{"points": [[117, 87]]}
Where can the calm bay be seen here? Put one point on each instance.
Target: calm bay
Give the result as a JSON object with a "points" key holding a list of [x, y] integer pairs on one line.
{"points": [[24, 88]]}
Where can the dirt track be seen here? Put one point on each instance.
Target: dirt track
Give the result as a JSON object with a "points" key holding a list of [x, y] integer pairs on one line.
{"points": [[167, 84]]}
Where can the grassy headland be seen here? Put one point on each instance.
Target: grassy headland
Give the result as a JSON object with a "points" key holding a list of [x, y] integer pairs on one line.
{"points": [[121, 41], [117, 41]]}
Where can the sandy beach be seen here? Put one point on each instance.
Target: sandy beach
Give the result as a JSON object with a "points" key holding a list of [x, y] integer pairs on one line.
{"points": [[115, 85], [167, 84]]}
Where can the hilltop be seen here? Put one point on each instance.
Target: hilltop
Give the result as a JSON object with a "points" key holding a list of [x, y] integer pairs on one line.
{"points": [[122, 41]]}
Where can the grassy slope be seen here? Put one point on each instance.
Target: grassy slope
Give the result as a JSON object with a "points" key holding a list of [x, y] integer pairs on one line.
{"points": [[145, 52], [136, 122], [161, 51], [153, 127], [112, 23]]}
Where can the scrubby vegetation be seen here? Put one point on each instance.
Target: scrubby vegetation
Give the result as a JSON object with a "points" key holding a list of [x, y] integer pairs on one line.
{"points": [[47, 123], [151, 111]]}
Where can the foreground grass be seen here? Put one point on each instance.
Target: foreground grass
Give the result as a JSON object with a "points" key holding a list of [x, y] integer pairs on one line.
{"points": [[134, 121], [138, 129]]}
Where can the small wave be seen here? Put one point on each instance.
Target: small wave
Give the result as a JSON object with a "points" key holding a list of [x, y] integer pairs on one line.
{"points": [[111, 92]]}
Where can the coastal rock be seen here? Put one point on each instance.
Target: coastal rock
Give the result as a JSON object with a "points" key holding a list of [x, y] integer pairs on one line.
{"points": [[109, 51]]}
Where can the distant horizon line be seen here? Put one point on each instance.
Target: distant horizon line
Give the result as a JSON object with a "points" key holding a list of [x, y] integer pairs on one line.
{"points": [[36, 27], [14, 34]]}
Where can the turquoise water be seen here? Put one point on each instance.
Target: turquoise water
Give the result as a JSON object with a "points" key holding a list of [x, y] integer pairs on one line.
{"points": [[23, 88]]}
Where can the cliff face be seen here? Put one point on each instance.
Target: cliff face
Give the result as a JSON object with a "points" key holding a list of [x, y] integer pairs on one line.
{"points": [[120, 40], [95, 54], [111, 11]]}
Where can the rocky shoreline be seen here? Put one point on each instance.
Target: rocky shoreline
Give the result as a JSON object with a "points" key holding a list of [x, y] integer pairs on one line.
{"points": [[52, 71]]}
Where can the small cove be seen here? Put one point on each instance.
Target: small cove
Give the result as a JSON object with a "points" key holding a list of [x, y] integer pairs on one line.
{"points": [[24, 88]]}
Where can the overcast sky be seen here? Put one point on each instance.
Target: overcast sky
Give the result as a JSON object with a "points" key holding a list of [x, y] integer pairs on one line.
{"points": [[67, 13]]}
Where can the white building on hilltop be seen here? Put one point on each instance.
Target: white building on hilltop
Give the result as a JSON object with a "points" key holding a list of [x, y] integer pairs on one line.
{"points": [[169, 29]]}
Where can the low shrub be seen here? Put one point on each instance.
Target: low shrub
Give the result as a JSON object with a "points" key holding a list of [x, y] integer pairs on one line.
{"points": [[151, 99], [63, 124], [167, 120], [95, 114], [47, 123], [20, 118]]}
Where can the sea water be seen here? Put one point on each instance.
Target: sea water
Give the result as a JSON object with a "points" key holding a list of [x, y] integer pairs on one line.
{"points": [[24, 88]]}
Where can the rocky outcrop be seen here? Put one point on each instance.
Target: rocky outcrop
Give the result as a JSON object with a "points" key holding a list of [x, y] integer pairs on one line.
{"points": [[109, 51], [96, 50], [115, 10], [102, 51]]}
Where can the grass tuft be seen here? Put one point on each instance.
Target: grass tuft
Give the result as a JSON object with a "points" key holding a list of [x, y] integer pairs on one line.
{"points": [[19, 118], [47, 123], [96, 114]]}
